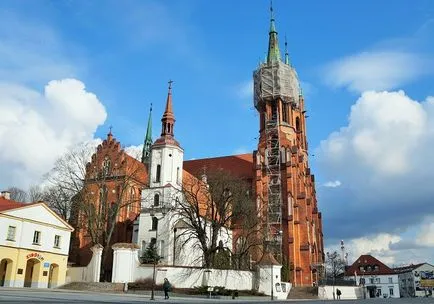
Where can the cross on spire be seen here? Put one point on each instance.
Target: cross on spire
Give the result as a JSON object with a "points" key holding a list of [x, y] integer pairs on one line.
{"points": [[170, 84]]}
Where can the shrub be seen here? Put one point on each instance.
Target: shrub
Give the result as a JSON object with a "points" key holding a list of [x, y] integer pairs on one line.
{"points": [[144, 284]]}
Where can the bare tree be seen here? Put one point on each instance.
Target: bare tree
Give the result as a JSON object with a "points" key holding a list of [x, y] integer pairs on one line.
{"points": [[18, 194], [214, 203], [35, 194], [92, 195], [335, 265], [59, 200]]}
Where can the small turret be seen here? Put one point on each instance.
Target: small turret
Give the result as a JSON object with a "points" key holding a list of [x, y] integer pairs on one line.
{"points": [[146, 154]]}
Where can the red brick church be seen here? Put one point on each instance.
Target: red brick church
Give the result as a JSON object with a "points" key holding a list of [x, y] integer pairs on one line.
{"points": [[278, 169]]}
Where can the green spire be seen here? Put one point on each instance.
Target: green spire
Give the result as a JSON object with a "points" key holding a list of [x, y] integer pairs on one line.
{"points": [[146, 154], [273, 43], [286, 52]]}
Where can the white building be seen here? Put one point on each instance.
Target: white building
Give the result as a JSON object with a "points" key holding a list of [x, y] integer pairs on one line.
{"points": [[414, 280], [34, 245], [378, 280], [166, 177]]}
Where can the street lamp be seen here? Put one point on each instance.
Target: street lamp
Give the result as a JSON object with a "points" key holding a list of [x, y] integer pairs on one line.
{"points": [[332, 258], [152, 212]]}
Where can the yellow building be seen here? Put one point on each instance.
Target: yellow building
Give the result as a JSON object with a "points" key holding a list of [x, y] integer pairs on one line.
{"points": [[34, 245]]}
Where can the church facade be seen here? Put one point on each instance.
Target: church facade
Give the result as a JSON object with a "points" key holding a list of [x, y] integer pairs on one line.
{"points": [[278, 171]]}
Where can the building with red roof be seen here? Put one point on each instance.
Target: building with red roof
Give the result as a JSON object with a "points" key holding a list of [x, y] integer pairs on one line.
{"points": [[378, 279], [34, 244]]}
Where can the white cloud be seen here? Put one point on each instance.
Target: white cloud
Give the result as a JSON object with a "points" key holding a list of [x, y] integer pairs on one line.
{"points": [[135, 151], [383, 159], [387, 65], [241, 150], [377, 70], [375, 245], [44, 108], [425, 236], [37, 128], [332, 184]]}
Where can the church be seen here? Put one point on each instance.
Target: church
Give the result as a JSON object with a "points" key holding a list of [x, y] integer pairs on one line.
{"points": [[278, 171]]}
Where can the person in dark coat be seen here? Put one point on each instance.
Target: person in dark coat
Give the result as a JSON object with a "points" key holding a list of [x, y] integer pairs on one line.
{"points": [[338, 292], [166, 288]]}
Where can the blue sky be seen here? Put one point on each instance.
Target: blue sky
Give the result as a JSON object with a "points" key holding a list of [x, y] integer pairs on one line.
{"points": [[125, 52]]}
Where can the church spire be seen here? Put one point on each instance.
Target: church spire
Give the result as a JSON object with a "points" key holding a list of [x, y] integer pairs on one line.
{"points": [[168, 120], [146, 154], [273, 43], [286, 52]]}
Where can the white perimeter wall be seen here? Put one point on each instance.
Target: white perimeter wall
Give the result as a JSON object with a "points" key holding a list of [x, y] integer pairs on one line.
{"points": [[188, 277], [348, 292]]}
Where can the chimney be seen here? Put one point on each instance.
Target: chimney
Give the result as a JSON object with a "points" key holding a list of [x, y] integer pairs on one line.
{"points": [[6, 195]]}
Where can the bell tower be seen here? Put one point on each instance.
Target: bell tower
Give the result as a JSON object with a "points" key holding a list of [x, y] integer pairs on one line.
{"points": [[284, 186]]}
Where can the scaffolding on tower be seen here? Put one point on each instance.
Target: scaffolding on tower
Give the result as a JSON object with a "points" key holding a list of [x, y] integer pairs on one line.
{"points": [[274, 195]]}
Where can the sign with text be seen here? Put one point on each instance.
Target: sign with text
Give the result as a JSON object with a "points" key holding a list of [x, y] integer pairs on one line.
{"points": [[35, 255], [427, 279]]}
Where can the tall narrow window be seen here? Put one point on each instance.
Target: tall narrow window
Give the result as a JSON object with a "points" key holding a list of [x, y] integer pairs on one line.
{"points": [[156, 199], [37, 237], [154, 223], [297, 124], [177, 176], [158, 174], [11, 233], [106, 166], [57, 241], [285, 112]]}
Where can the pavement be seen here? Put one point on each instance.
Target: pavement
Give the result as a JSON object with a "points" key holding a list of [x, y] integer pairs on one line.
{"points": [[27, 295]]}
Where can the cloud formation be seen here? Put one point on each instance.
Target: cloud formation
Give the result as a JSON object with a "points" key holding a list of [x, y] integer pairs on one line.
{"points": [[383, 158], [377, 70], [332, 184], [36, 127], [387, 65]]}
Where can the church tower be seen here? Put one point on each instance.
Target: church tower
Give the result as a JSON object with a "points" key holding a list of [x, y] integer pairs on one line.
{"points": [[165, 184], [284, 185], [167, 155]]}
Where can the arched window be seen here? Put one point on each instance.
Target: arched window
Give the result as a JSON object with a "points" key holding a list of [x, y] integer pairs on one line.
{"points": [[154, 223], [297, 124], [158, 174], [106, 166], [156, 199], [285, 112]]}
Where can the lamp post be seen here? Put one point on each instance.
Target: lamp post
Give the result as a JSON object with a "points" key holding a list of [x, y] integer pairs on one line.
{"points": [[332, 258], [154, 209]]}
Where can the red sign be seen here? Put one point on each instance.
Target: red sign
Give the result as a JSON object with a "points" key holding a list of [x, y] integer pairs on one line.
{"points": [[35, 255]]}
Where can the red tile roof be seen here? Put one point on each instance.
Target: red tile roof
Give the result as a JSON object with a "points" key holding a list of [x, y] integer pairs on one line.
{"points": [[240, 165], [6, 204], [365, 261]]}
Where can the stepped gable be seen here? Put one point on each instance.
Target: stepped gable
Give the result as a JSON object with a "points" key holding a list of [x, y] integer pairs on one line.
{"points": [[120, 162]]}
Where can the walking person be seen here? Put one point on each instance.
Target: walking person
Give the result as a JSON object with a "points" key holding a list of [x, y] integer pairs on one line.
{"points": [[338, 293], [166, 288]]}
